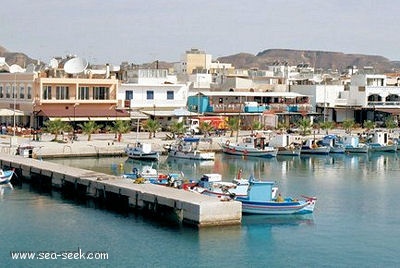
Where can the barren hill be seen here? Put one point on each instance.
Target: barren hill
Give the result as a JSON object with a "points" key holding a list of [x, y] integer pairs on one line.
{"points": [[318, 59]]}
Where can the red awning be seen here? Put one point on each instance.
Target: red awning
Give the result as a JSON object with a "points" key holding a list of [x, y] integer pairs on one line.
{"points": [[393, 111], [91, 113]]}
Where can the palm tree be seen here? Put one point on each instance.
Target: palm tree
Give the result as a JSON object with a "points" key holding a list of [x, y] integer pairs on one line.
{"points": [[177, 127], [206, 128], [256, 125], [56, 127], [283, 127], [121, 127], [368, 125], [390, 123], [151, 126], [233, 124], [348, 125], [327, 125], [305, 126], [90, 128]]}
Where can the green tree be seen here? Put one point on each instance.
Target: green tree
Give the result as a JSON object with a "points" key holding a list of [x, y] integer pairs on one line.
{"points": [[89, 128], [326, 126], [206, 128], [348, 125], [390, 123], [256, 125], [283, 127], [56, 127], [305, 126], [177, 127], [233, 124], [121, 127], [152, 126], [368, 125]]}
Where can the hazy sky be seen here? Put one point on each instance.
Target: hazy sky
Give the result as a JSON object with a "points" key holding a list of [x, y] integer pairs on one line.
{"points": [[140, 31]]}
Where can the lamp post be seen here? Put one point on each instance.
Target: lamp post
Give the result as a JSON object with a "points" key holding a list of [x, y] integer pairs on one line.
{"points": [[74, 126], [14, 69]]}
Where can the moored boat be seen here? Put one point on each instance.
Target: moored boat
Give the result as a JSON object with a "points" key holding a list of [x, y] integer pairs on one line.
{"points": [[249, 146], [312, 146], [260, 201], [6, 176], [353, 145], [379, 141], [187, 148], [287, 144], [141, 151]]}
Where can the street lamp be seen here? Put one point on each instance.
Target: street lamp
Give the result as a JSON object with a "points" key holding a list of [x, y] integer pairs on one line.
{"points": [[14, 69], [76, 104]]}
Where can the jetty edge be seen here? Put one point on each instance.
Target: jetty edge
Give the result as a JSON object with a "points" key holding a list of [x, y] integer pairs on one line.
{"points": [[188, 208]]}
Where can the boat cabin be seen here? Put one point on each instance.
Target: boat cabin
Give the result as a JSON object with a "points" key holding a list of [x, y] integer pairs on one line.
{"points": [[209, 178], [261, 191]]}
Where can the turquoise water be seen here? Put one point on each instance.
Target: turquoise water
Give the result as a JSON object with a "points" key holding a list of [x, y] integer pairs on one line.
{"points": [[355, 224]]}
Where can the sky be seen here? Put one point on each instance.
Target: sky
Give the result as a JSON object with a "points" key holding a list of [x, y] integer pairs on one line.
{"points": [[143, 31]]}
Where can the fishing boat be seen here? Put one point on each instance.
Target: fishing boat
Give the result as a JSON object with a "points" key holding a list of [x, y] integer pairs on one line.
{"points": [[313, 146], [379, 141], [141, 151], [353, 145], [150, 175], [260, 200], [187, 148], [249, 146], [6, 176], [335, 144], [287, 144]]}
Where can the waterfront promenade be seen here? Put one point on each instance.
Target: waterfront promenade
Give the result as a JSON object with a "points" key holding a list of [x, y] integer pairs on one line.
{"points": [[99, 145], [105, 144]]}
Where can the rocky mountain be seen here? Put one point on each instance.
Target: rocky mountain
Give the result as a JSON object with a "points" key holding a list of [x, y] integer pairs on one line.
{"points": [[16, 57], [318, 59]]}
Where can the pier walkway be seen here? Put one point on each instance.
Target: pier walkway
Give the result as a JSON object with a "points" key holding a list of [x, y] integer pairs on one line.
{"points": [[187, 207]]}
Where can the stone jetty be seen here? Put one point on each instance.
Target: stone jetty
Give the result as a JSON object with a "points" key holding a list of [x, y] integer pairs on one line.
{"points": [[187, 207]]}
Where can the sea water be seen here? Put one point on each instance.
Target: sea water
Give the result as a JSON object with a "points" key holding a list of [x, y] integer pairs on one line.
{"points": [[355, 223]]}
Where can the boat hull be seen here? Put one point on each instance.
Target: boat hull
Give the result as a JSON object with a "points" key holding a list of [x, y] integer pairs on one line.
{"points": [[6, 177], [318, 150], [194, 155], [277, 208], [243, 151]]}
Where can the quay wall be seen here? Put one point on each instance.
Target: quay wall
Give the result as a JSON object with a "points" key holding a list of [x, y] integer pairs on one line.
{"points": [[187, 207]]}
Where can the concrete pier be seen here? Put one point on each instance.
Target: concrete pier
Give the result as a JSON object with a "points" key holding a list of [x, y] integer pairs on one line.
{"points": [[189, 208]]}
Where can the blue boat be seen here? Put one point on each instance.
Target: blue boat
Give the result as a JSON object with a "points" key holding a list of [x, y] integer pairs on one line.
{"points": [[6, 176], [260, 201]]}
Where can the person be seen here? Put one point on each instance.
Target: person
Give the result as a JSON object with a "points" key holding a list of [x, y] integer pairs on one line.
{"points": [[239, 174], [279, 198]]}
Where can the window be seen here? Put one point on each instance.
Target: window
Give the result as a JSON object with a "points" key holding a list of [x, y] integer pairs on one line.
{"points": [[128, 95], [62, 93], [101, 93], [47, 92], [83, 93], [21, 92], [170, 95], [29, 93], [1, 91], [150, 94], [8, 91]]}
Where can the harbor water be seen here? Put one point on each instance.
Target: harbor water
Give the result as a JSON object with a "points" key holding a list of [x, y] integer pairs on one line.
{"points": [[355, 223]]}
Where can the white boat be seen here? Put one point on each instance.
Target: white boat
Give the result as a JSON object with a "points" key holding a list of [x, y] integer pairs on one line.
{"points": [[353, 145], [287, 144], [313, 146], [187, 148], [260, 200], [335, 144], [379, 141], [6, 176], [211, 184], [249, 146], [141, 151]]}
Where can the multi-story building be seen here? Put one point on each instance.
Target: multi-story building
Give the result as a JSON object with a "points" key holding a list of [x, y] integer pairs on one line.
{"points": [[75, 93]]}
